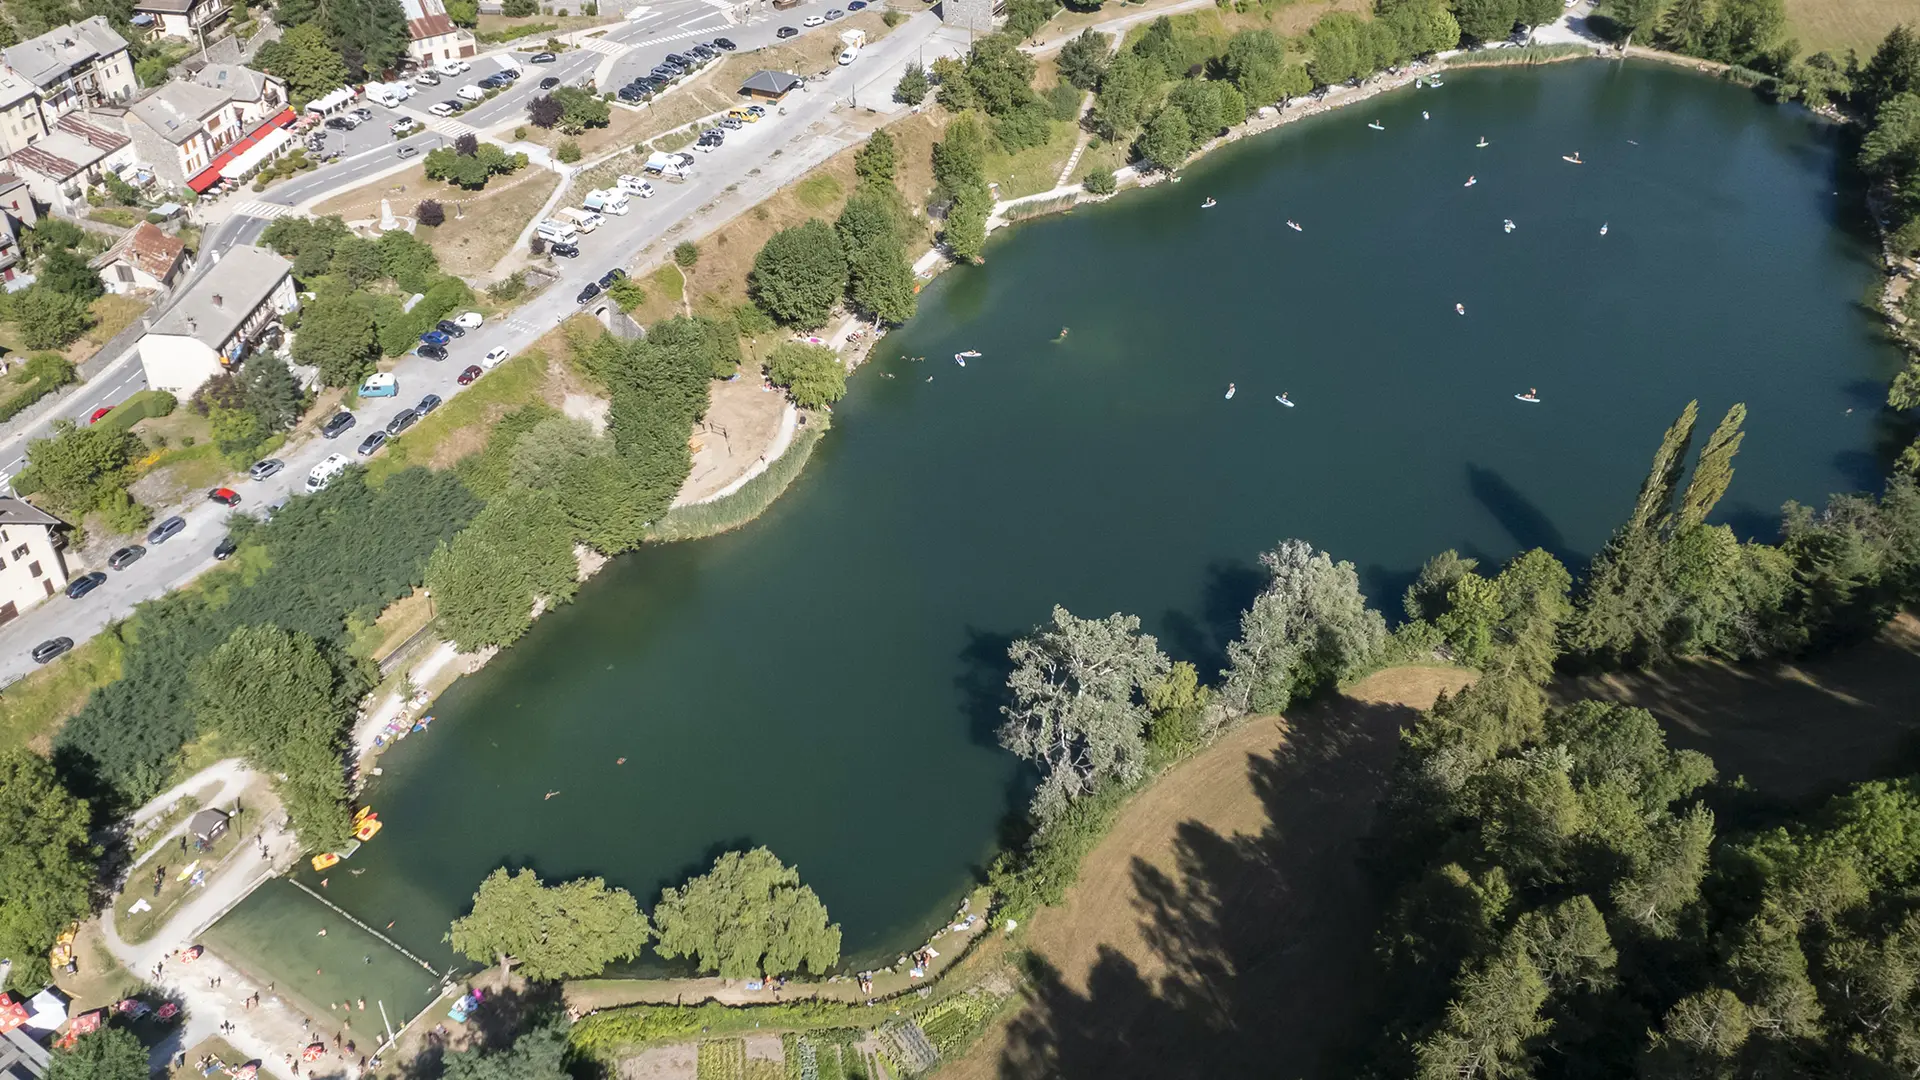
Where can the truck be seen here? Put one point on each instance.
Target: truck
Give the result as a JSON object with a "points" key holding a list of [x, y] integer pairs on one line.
{"points": [[388, 94], [853, 40], [584, 220], [669, 166], [635, 186], [557, 232], [605, 202]]}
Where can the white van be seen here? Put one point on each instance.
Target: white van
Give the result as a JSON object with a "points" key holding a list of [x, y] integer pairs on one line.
{"points": [[605, 202], [471, 92], [556, 232], [584, 220], [452, 67], [323, 473], [384, 94], [635, 186]]}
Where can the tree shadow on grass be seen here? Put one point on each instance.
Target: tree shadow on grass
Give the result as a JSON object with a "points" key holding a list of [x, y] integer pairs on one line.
{"points": [[1253, 954]]}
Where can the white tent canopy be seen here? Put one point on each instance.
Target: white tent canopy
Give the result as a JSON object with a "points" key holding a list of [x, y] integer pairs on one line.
{"points": [[331, 100], [256, 155]]}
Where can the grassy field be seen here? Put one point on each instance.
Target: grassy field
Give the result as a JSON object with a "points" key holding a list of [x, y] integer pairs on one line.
{"points": [[1839, 25], [481, 226], [173, 891], [32, 710], [460, 427], [401, 620]]}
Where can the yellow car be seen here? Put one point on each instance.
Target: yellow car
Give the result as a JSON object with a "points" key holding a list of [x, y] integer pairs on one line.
{"points": [[744, 116]]}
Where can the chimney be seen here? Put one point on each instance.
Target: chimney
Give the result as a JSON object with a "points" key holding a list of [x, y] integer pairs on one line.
{"points": [[216, 300]]}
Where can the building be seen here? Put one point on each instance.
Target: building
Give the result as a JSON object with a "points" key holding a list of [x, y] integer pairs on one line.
{"points": [[432, 36], [16, 211], [770, 85], [73, 157], [74, 67], [183, 128], [20, 1057], [974, 16], [30, 566], [213, 317], [21, 122], [187, 19], [207, 827], [144, 260]]}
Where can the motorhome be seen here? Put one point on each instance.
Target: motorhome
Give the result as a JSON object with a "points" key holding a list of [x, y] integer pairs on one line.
{"points": [[635, 186], [323, 473], [584, 220], [670, 166], [557, 232], [605, 202]]}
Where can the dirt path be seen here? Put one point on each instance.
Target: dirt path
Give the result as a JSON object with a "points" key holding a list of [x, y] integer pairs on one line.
{"points": [[1223, 921]]}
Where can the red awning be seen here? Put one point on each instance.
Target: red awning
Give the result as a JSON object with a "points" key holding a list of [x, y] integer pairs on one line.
{"points": [[210, 175]]}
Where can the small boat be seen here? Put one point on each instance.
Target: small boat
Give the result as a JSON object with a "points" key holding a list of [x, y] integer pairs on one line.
{"points": [[1507, 225], [1377, 126], [1603, 228], [1282, 399], [1531, 397], [970, 353], [1482, 144], [1471, 180], [1294, 225], [1208, 204], [1574, 157], [961, 357], [1230, 389], [1434, 80], [1459, 309], [1424, 116]]}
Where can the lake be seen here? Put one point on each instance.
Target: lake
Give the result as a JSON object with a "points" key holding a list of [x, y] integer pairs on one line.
{"points": [[825, 681]]}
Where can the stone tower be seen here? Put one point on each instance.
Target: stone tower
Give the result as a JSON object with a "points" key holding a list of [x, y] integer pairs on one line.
{"points": [[974, 16]]}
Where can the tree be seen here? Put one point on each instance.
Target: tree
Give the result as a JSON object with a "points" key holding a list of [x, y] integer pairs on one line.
{"points": [[544, 111], [539, 1054], [881, 281], [306, 59], [74, 467], [370, 35], [1126, 96], [46, 864], [1100, 182], [48, 319], [1083, 60], [1485, 20], [1079, 707], [686, 253], [627, 294], [471, 170], [430, 213], [1494, 1014], [1336, 44], [108, 1053], [912, 87], [1531, 13], [66, 271], [799, 274], [337, 336], [1256, 62], [1308, 629], [874, 163], [486, 582], [1168, 139], [581, 109], [1894, 69], [813, 374], [1633, 16], [550, 932], [748, 916], [236, 434], [1424, 26]]}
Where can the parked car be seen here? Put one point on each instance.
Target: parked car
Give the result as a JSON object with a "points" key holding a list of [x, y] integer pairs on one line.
{"points": [[427, 78], [224, 496], [565, 249], [492, 82], [494, 358], [470, 320], [587, 294], [549, 83], [732, 122], [166, 530], [365, 114], [403, 125], [432, 352], [723, 43], [813, 20], [372, 443], [856, 5], [632, 95], [48, 650], [125, 557], [757, 111], [704, 52], [94, 416], [225, 547], [679, 61], [435, 337], [427, 405], [450, 328], [507, 75], [85, 584], [338, 423], [401, 421], [263, 469], [607, 279], [406, 150], [467, 376], [446, 108], [343, 123], [542, 58], [835, 13]]}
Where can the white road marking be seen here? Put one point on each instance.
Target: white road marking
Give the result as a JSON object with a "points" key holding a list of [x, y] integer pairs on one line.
{"points": [[256, 208]]}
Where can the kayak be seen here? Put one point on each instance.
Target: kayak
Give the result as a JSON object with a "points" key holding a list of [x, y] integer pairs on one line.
{"points": [[1526, 398]]}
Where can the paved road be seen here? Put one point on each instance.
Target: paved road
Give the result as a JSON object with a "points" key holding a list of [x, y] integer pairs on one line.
{"points": [[751, 150]]}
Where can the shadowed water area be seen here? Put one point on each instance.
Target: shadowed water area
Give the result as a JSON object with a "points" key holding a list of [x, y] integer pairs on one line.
{"points": [[825, 681]]}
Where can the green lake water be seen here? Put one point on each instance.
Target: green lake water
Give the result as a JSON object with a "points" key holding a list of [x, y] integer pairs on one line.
{"points": [[825, 681]]}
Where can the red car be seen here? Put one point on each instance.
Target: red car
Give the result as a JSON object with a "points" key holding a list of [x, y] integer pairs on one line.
{"points": [[95, 415], [224, 496], [472, 373]]}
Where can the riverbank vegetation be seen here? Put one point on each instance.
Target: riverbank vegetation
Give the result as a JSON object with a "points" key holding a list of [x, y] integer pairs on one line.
{"points": [[699, 520]]}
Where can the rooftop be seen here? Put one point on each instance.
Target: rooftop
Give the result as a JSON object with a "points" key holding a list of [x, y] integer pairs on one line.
{"points": [[770, 82], [427, 18], [238, 82], [47, 59], [19, 512], [146, 247], [214, 305], [175, 110], [166, 7]]}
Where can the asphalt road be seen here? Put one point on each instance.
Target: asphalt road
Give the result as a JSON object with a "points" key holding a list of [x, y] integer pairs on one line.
{"points": [[746, 164]]}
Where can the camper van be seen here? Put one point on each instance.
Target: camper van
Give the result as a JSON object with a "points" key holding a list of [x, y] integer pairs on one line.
{"points": [[323, 473], [670, 166], [605, 202], [557, 232], [635, 186], [584, 220]]}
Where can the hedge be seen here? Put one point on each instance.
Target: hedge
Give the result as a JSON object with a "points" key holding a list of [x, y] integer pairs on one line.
{"points": [[139, 407], [45, 372]]}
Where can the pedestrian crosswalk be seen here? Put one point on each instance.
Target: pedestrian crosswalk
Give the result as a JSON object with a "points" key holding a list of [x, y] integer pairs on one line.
{"points": [[514, 322], [451, 128], [258, 209], [604, 47]]}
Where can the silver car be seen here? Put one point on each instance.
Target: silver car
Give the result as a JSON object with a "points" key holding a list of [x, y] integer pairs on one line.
{"points": [[263, 469]]}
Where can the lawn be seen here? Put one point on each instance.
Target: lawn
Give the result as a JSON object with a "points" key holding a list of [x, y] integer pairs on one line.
{"points": [[401, 620], [33, 709], [111, 314], [1033, 170], [481, 226], [459, 427], [173, 890], [1839, 25]]}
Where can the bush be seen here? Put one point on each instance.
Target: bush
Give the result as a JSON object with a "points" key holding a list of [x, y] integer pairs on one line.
{"points": [[686, 253], [893, 18], [430, 213], [1099, 182], [569, 152], [45, 373], [145, 404], [510, 288], [1063, 100], [518, 9], [813, 374]]}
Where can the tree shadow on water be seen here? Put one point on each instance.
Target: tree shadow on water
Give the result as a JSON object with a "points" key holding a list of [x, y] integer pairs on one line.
{"points": [[1201, 637], [1525, 522], [982, 682], [1252, 954]]}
